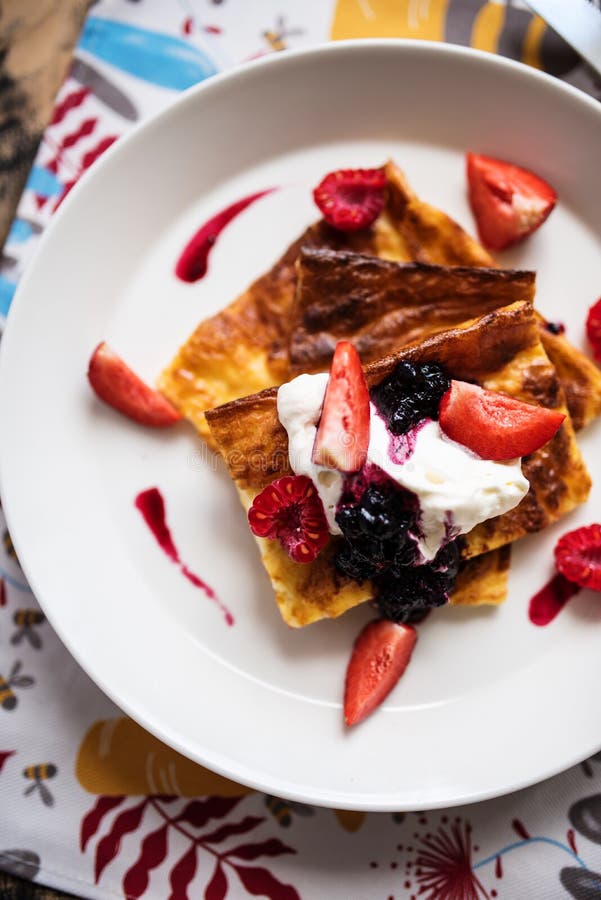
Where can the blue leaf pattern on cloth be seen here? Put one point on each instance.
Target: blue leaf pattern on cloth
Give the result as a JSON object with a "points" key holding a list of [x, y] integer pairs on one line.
{"points": [[159, 58]]}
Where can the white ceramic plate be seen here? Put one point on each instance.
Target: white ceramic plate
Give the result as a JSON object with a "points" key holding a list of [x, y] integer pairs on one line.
{"points": [[489, 703]]}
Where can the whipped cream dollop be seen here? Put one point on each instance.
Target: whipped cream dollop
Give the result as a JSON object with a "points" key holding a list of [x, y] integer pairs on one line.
{"points": [[456, 489], [299, 408]]}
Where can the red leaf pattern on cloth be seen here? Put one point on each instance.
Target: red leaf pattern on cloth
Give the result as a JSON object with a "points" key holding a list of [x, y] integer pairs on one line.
{"points": [[272, 847], [182, 874], [520, 829], [108, 847], [152, 853], [93, 154], [198, 812], [71, 101], [91, 821], [261, 883], [4, 755], [216, 889], [86, 161], [86, 128], [226, 831]]}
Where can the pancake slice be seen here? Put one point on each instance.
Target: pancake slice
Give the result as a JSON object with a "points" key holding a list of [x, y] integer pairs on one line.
{"points": [[482, 580], [500, 351], [381, 306]]}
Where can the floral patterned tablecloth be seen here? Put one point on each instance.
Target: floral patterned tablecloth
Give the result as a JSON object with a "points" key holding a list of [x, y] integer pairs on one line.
{"points": [[89, 801]]}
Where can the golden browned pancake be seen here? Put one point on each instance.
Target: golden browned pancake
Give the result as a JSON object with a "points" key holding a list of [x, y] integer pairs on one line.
{"points": [[482, 580], [500, 351], [578, 375], [381, 305]]}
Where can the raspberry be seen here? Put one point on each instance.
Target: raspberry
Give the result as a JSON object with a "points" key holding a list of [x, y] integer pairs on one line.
{"points": [[410, 394], [578, 556], [351, 199], [593, 328], [289, 510]]}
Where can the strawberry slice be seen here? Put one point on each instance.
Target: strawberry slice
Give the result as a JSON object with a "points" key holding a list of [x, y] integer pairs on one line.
{"points": [[578, 556], [380, 656], [508, 202], [351, 199], [493, 425], [593, 328], [343, 435], [121, 388]]}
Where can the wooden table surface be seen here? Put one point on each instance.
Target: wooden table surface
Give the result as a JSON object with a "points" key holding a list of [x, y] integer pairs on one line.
{"points": [[36, 45], [12, 888]]}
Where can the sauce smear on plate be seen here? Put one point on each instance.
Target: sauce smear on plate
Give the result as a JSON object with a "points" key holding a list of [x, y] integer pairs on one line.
{"points": [[152, 506], [551, 599], [194, 260]]}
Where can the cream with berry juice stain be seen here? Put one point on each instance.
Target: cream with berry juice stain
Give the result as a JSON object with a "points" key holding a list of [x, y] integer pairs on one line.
{"points": [[299, 404], [455, 489]]}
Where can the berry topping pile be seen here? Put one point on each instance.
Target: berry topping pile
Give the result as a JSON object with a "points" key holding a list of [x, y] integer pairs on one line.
{"points": [[578, 556], [351, 199], [379, 546], [410, 394], [290, 511]]}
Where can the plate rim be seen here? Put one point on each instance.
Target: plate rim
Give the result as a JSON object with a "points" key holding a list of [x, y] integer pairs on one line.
{"points": [[189, 97]]}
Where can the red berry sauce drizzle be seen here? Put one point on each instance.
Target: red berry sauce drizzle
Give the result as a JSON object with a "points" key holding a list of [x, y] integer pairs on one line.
{"points": [[194, 260], [152, 506], [551, 599]]}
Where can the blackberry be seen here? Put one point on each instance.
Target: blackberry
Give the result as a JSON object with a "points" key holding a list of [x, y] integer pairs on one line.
{"points": [[405, 555], [410, 394], [352, 563], [447, 560], [403, 594], [349, 521], [555, 327], [376, 531], [379, 514]]}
